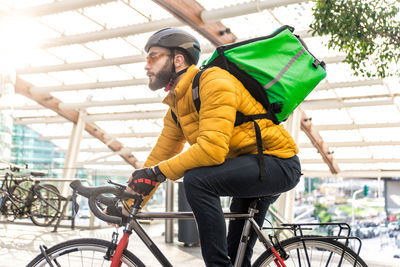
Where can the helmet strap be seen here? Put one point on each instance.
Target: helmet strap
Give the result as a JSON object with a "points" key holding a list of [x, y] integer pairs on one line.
{"points": [[174, 74]]}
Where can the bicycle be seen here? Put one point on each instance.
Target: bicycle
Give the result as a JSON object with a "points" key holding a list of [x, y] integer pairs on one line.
{"points": [[23, 197], [299, 250]]}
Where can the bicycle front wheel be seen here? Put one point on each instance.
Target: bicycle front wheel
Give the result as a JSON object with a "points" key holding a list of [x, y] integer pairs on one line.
{"points": [[313, 252], [83, 252]]}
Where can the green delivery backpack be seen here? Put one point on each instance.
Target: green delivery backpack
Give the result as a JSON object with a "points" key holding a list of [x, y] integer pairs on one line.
{"points": [[278, 70]]}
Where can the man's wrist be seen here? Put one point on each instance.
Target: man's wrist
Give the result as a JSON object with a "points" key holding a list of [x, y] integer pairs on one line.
{"points": [[160, 177]]}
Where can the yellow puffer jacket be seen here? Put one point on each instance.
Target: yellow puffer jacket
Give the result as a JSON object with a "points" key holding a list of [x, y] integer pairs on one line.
{"points": [[211, 132]]}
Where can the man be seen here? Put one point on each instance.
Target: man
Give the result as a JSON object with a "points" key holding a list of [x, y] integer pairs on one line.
{"points": [[222, 158]]}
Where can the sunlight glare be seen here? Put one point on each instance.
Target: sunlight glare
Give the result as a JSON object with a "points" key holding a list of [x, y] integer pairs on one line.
{"points": [[19, 38]]}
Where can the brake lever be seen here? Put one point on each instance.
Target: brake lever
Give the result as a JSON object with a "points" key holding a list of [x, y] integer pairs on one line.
{"points": [[120, 186], [123, 193]]}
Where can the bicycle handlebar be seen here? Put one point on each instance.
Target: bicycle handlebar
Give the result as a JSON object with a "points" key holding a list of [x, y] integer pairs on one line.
{"points": [[95, 194]]}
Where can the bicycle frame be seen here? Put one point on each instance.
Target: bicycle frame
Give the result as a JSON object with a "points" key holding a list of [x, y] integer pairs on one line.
{"points": [[101, 195], [137, 228]]}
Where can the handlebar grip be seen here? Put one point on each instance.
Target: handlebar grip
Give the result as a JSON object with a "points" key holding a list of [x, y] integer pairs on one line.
{"points": [[94, 194], [93, 206]]}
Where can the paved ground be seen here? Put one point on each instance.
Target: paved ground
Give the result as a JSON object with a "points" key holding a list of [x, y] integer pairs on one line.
{"points": [[19, 243]]}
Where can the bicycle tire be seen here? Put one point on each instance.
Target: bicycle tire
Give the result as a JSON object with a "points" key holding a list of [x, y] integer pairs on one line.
{"points": [[83, 252], [14, 204], [321, 252], [47, 205], [22, 188]]}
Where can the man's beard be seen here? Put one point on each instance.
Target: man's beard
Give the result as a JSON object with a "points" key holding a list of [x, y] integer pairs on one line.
{"points": [[162, 78]]}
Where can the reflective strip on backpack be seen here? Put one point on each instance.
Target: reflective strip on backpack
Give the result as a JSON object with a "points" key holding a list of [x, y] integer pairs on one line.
{"points": [[292, 60]]}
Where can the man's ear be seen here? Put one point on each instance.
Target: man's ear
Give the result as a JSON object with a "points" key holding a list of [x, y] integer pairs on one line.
{"points": [[180, 61]]}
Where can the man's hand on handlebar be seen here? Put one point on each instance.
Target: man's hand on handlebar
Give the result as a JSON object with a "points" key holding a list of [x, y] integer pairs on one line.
{"points": [[143, 181], [118, 212]]}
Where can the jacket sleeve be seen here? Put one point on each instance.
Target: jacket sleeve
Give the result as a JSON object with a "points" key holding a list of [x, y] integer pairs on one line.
{"points": [[170, 142], [216, 122]]}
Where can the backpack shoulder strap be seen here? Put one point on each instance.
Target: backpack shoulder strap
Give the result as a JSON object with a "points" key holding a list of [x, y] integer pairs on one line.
{"points": [[173, 115], [195, 90]]}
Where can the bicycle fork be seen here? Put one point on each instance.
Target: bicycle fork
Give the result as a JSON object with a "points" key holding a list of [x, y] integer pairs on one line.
{"points": [[123, 244]]}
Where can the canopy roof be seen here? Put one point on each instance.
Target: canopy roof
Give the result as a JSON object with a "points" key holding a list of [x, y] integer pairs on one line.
{"points": [[87, 56]]}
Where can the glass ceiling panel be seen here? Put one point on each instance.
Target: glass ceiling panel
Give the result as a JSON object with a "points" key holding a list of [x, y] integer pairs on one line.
{"points": [[91, 143], [127, 108], [329, 116], [357, 166], [351, 152], [341, 72], [135, 69], [71, 23], [138, 41], [302, 138], [74, 53], [23, 3], [139, 142], [321, 51], [114, 14], [317, 167], [376, 114], [298, 15], [115, 47], [212, 4], [388, 166], [362, 91], [112, 73], [340, 136], [40, 79], [20, 100], [41, 58], [321, 94], [268, 25], [381, 134], [34, 113], [309, 153], [150, 9], [73, 77], [386, 152]]}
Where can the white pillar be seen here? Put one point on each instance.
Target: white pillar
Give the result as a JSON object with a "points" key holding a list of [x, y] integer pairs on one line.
{"points": [[284, 204], [7, 81], [73, 150]]}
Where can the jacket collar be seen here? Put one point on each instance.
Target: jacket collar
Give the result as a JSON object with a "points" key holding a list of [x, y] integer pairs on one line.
{"points": [[181, 88]]}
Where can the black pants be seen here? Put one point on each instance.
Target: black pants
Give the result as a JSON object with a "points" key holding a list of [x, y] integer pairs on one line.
{"points": [[238, 178]]}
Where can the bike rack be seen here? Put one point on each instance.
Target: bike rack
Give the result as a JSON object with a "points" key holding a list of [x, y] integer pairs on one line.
{"points": [[300, 227]]}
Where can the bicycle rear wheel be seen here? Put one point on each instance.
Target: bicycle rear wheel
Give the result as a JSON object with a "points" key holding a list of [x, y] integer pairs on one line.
{"points": [[83, 252], [47, 205], [319, 252]]}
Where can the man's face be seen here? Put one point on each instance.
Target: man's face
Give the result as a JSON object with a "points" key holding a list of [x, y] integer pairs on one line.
{"points": [[158, 67]]}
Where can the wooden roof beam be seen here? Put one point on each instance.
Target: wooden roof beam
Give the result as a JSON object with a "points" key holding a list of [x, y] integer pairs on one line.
{"points": [[318, 142], [189, 12]]}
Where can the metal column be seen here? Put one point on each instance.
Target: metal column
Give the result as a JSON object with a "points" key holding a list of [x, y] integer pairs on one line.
{"points": [[284, 204], [169, 206], [73, 150]]}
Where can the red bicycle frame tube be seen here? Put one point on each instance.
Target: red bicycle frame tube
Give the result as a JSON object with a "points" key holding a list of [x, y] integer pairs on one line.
{"points": [[122, 244], [278, 261]]}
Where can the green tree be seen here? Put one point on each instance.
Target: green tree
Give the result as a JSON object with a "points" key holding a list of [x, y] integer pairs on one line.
{"points": [[367, 31], [321, 212]]}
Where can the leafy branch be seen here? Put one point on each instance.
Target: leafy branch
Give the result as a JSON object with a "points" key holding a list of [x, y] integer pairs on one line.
{"points": [[367, 31]]}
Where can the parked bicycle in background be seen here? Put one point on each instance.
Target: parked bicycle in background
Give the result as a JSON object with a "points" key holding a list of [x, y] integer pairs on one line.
{"points": [[23, 196]]}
